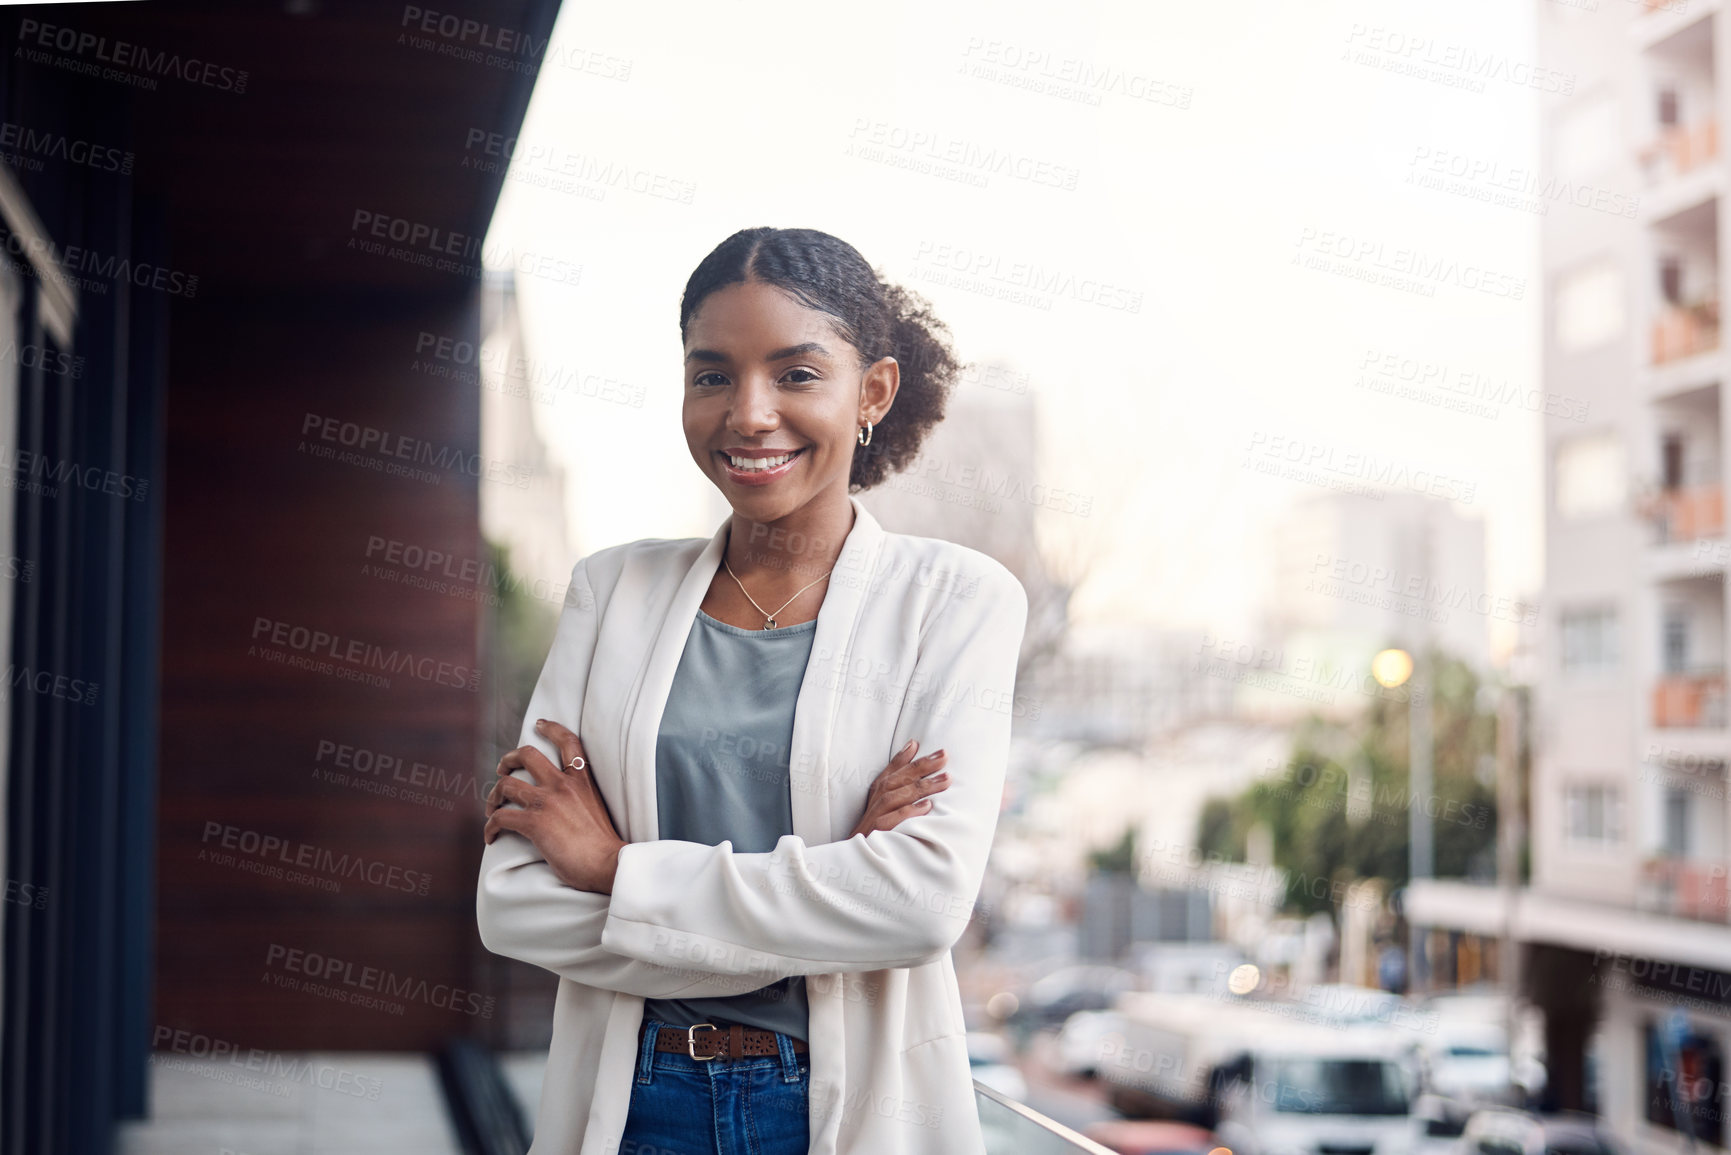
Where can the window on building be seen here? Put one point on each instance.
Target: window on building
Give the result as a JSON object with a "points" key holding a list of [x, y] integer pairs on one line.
{"points": [[1674, 655], [1677, 810], [1589, 307], [1685, 1072], [1586, 137], [1589, 639], [1593, 814], [1590, 476]]}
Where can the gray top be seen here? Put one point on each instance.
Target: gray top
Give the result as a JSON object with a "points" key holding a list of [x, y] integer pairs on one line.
{"points": [[721, 774]]}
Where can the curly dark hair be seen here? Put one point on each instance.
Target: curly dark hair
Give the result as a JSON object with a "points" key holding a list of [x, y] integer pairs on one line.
{"points": [[877, 318]]}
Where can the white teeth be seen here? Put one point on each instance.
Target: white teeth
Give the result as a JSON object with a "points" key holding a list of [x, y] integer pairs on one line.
{"points": [[754, 464]]}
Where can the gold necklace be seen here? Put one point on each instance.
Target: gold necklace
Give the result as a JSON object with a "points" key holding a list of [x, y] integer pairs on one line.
{"points": [[768, 618]]}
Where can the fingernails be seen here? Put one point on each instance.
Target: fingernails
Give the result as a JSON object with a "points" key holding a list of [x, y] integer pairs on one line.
{"points": [[925, 804], [911, 744], [540, 722]]}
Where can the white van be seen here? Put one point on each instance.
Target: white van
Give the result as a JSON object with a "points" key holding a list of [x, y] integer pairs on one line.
{"points": [[1267, 1077], [1317, 1091]]}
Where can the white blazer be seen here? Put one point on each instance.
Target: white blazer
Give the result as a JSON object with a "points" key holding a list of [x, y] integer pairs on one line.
{"points": [[916, 638]]}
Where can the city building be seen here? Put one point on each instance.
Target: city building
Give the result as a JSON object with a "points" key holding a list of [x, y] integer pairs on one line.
{"points": [[528, 518], [1623, 923], [1369, 570]]}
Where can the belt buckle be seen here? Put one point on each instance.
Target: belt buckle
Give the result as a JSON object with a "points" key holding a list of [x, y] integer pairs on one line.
{"points": [[691, 1042]]}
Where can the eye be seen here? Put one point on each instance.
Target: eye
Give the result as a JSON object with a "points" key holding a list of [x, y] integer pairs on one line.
{"points": [[808, 374], [701, 380]]}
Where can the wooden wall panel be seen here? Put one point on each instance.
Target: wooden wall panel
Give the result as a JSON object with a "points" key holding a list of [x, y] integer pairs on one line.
{"points": [[260, 527]]}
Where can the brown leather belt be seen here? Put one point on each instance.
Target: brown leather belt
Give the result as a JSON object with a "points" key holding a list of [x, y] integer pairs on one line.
{"points": [[713, 1041]]}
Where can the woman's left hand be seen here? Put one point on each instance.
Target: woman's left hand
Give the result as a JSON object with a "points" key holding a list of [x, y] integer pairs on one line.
{"points": [[562, 813]]}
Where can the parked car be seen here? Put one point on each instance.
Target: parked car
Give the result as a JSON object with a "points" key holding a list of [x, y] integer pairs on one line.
{"points": [[1350, 1005], [1151, 1137], [1055, 997], [1088, 1036], [993, 1063], [1506, 1131], [1453, 1013], [1466, 1067]]}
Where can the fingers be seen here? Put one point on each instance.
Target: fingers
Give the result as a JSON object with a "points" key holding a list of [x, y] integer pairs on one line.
{"points": [[896, 817], [531, 759], [908, 792], [503, 820], [896, 777], [914, 791], [570, 746], [508, 789]]}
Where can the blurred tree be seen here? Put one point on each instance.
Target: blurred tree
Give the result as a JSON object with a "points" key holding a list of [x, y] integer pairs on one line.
{"points": [[519, 629], [1119, 858], [1338, 809]]}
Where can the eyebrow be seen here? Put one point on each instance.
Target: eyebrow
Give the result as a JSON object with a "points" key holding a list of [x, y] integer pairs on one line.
{"points": [[716, 357]]}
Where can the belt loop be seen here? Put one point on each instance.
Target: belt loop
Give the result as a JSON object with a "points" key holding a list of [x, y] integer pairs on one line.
{"points": [[789, 1060], [646, 1050]]}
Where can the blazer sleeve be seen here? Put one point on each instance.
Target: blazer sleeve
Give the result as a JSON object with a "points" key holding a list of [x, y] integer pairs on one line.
{"points": [[893, 898], [522, 908]]}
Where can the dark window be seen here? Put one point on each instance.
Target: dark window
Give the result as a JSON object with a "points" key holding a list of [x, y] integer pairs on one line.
{"points": [[1684, 1077]]}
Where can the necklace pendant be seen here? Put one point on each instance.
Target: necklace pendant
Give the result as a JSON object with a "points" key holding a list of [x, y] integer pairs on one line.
{"points": [[770, 624]]}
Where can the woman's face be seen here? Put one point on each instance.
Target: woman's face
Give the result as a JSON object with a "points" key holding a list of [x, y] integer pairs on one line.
{"points": [[767, 377]]}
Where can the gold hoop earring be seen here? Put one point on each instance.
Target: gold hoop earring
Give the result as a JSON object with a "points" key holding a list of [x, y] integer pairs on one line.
{"points": [[864, 434]]}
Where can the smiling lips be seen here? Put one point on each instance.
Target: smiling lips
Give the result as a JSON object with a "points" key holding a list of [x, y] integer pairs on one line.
{"points": [[758, 466]]}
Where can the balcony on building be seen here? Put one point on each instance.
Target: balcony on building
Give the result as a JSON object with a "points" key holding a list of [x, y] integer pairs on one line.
{"points": [[1685, 325], [1686, 867], [1682, 131], [1684, 500], [1657, 26], [1689, 690]]}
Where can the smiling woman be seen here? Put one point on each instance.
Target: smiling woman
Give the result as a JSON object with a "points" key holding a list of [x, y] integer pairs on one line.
{"points": [[720, 830]]}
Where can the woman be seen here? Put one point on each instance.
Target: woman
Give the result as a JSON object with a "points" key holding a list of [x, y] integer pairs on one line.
{"points": [[759, 774]]}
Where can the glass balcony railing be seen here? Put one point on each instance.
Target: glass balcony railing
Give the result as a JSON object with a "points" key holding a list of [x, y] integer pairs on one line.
{"points": [[1685, 888], [1013, 1128], [1693, 700], [1684, 330]]}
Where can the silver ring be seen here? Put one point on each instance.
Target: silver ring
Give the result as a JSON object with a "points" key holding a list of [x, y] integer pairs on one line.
{"points": [[578, 762]]}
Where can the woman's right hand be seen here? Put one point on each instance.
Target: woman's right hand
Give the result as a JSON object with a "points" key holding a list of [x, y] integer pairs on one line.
{"points": [[902, 790]]}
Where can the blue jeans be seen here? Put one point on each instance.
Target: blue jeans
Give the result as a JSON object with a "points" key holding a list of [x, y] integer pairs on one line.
{"points": [[749, 1106]]}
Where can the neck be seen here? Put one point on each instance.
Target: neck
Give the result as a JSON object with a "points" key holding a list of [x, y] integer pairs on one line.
{"points": [[791, 550]]}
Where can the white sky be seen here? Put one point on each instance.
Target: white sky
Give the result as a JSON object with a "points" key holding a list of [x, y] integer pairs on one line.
{"points": [[1199, 209]]}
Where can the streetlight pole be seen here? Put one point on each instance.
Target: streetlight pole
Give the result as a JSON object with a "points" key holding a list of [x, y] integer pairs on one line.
{"points": [[1421, 778], [1421, 851], [1394, 668]]}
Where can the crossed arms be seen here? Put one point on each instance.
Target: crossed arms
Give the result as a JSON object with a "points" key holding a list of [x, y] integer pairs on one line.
{"points": [[686, 920]]}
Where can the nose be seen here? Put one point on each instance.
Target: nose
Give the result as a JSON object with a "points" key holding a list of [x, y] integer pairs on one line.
{"points": [[753, 409]]}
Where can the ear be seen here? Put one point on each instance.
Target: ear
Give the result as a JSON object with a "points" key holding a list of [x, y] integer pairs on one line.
{"points": [[878, 389]]}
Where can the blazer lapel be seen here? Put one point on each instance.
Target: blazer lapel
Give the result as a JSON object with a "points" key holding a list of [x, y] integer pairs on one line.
{"points": [[820, 697], [814, 710], [645, 720]]}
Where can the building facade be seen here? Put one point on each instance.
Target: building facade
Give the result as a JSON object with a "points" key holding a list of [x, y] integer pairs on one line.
{"points": [[1623, 928]]}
